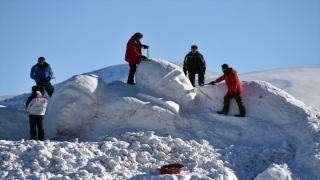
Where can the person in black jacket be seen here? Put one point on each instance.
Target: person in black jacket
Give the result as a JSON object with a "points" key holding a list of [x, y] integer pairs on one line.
{"points": [[194, 63]]}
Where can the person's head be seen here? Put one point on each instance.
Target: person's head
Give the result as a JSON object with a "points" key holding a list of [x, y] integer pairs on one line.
{"points": [[41, 61], [224, 67], [138, 36], [194, 48]]}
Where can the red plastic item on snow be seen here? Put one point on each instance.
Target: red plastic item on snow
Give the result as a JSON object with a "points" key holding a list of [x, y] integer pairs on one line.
{"points": [[171, 169]]}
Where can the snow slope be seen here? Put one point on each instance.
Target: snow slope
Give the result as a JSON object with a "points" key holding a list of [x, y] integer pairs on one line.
{"points": [[302, 83], [128, 126]]}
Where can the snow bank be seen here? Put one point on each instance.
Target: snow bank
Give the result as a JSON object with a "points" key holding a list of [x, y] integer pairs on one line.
{"points": [[278, 128], [275, 172], [133, 155], [14, 124], [85, 103], [165, 78]]}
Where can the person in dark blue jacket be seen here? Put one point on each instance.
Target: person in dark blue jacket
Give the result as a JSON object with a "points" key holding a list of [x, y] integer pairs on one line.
{"points": [[42, 74]]}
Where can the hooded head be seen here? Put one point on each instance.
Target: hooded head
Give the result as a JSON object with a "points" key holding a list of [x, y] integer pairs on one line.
{"points": [[36, 90], [138, 36]]}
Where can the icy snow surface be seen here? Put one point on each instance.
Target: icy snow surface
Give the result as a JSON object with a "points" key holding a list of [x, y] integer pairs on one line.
{"points": [[99, 129]]}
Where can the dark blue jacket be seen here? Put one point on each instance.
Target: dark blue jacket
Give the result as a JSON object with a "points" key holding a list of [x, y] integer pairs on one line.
{"points": [[41, 74]]}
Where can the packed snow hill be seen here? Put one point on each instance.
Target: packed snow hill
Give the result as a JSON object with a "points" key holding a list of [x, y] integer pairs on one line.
{"points": [[98, 127]]}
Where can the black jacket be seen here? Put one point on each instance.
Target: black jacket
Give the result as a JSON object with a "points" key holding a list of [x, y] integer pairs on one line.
{"points": [[194, 61]]}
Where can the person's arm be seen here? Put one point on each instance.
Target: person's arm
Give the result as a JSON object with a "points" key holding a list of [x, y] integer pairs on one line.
{"points": [[50, 74], [33, 74], [185, 65], [145, 46], [221, 78], [203, 62]]}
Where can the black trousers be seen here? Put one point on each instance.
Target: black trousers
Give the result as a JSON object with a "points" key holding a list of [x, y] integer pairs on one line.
{"points": [[133, 69], [238, 98], [46, 87], [36, 121], [192, 76]]}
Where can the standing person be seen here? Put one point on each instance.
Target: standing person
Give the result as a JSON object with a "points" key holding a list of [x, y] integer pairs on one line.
{"points": [[133, 55], [42, 74], [36, 104], [234, 90], [194, 63]]}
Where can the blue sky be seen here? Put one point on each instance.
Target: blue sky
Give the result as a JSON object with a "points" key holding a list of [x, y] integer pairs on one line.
{"points": [[77, 36]]}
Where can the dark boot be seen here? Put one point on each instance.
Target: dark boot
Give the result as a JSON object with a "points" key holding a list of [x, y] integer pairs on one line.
{"points": [[222, 112]]}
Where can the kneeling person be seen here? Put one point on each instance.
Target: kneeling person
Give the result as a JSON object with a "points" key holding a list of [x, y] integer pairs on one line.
{"points": [[36, 104]]}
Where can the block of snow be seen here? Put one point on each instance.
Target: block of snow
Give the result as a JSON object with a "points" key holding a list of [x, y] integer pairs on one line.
{"points": [[165, 78]]}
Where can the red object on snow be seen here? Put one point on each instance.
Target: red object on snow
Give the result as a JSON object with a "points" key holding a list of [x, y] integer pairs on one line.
{"points": [[171, 169]]}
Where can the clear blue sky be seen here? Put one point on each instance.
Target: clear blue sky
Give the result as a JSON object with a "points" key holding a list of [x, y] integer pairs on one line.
{"points": [[77, 36]]}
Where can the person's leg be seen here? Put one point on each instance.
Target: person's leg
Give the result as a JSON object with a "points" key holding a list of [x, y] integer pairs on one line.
{"points": [[49, 88], [238, 97], [200, 77], [192, 75], [40, 128], [33, 131], [226, 102], [133, 68]]}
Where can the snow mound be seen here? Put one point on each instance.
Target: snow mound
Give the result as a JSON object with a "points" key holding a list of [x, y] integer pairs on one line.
{"points": [[277, 129], [299, 82], [85, 103], [111, 158], [166, 78], [275, 172]]}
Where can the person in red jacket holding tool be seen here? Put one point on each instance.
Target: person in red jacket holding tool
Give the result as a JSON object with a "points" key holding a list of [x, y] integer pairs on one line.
{"points": [[234, 90], [133, 55]]}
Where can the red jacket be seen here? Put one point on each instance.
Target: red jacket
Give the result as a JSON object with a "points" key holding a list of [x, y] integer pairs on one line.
{"points": [[232, 80], [133, 51]]}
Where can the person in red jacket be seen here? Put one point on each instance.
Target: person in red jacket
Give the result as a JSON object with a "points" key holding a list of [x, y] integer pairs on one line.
{"points": [[133, 55], [234, 90]]}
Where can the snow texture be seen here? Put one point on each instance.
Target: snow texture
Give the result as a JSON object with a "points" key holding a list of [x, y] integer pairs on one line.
{"points": [[111, 130]]}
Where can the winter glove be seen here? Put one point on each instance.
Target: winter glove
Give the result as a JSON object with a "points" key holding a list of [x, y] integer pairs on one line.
{"points": [[143, 57], [212, 83], [204, 70], [145, 47], [42, 80]]}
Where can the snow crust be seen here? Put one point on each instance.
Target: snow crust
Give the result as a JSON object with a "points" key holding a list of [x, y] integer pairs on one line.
{"points": [[275, 172], [126, 127]]}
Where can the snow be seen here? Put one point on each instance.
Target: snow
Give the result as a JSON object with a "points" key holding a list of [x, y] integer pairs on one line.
{"points": [[299, 82], [97, 128], [275, 172]]}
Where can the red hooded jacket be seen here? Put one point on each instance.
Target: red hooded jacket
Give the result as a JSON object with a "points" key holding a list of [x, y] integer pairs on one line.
{"points": [[232, 80], [133, 51]]}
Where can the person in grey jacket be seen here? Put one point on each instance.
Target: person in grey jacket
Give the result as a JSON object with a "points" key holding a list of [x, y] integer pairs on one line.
{"points": [[36, 104]]}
